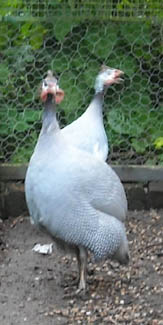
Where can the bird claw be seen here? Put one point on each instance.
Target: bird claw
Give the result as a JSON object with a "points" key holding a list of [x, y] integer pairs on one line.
{"points": [[80, 291], [82, 288]]}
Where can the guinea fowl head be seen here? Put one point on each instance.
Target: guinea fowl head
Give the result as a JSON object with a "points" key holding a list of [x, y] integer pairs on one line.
{"points": [[50, 89], [106, 77], [122, 254]]}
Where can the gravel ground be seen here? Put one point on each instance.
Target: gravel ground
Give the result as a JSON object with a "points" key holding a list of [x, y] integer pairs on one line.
{"points": [[39, 290]]}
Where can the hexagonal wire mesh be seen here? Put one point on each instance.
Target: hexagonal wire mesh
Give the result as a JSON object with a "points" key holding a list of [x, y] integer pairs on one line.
{"points": [[74, 41]]}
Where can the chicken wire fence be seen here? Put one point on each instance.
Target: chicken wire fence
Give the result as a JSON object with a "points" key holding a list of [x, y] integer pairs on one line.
{"points": [[74, 39]]}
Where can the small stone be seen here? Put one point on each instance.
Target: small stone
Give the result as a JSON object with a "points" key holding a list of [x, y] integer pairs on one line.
{"points": [[65, 312], [37, 278], [88, 313], [155, 322], [51, 313]]}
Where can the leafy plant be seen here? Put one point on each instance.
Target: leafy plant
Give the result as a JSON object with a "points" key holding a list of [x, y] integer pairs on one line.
{"points": [[74, 48], [158, 143]]}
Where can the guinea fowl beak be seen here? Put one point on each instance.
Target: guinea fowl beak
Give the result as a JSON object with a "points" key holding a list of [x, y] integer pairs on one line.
{"points": [[117, 76], [54, 90]]}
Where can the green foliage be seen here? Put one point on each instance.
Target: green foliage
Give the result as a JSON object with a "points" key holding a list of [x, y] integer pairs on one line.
{"points": [[75, 49], [23, 152], [60, 29], [33, 33], [101, 41], [139, 125], [159, 143], [15, 124], [144, 8]]}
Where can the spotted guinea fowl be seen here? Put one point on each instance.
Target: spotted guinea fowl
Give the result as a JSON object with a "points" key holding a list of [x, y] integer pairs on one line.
{"points": [[88, 132], [80, 201]]}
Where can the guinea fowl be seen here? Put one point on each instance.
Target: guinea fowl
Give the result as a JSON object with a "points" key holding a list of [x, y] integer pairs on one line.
{"points": [[80, 201], [87, 132]]}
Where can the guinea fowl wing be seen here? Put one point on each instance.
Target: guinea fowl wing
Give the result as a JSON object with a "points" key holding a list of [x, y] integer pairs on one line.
{"points": [[79, 179], [66, 200]]}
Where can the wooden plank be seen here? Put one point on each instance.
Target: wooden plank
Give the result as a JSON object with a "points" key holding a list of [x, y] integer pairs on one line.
{"points": [[156, 186], [10, 172], [139, 173]]}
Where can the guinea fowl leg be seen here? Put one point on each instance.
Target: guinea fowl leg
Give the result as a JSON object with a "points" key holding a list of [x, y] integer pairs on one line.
{"points": [[82, 264]]}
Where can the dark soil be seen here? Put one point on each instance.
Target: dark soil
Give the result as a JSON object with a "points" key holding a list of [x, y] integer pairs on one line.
{"points": [[40, 290]]}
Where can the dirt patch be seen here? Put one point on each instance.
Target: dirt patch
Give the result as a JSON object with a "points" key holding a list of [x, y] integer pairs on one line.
{"points": [[39, 290]]}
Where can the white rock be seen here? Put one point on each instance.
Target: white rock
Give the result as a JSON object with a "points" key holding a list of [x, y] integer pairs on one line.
{"points": [[43, 249]]}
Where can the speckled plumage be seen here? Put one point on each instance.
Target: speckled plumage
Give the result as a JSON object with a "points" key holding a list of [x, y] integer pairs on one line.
{"points": [[74, 196], [69, 192]]}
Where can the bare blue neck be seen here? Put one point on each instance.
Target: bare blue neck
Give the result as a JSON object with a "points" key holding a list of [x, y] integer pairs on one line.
{"points": [[96, 106], [99, 96], [49, 116]]}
